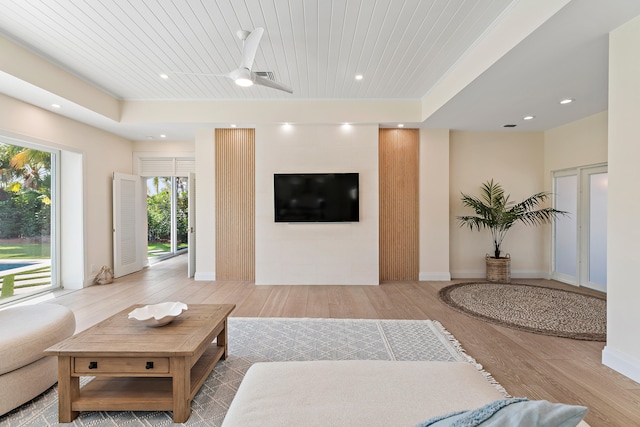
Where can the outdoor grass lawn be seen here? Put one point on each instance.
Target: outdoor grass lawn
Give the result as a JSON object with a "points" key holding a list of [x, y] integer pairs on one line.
{"points": [[25, 250], [158, 248], [36, 250], [36, 277], [161, 248]]}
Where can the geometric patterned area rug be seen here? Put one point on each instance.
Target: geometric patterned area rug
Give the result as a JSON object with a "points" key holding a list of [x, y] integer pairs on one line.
{"points": [[531, 308], [254, 340]]}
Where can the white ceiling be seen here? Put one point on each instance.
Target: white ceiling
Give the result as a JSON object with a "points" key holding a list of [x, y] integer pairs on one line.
{"points": [[403, 49], [316, 47]]}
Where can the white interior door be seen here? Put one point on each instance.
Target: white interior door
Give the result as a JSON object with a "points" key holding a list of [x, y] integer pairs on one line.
{"points": [[127, 224], [191, 236]]}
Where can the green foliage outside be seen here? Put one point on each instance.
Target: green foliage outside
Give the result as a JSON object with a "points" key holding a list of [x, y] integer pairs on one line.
{"points": [[159, 215], [25, 193], [25, 214]]}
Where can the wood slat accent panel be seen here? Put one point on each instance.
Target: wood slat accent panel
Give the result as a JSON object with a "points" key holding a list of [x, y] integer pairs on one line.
{"points": [[399, 201], [235, 204]]}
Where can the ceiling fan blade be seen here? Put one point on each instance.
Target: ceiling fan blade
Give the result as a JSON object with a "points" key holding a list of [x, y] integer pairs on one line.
{"points": [[259, 80], [250, 47]]}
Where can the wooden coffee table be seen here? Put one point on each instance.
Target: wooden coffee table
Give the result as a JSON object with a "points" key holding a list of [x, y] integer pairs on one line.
{"points": [[137, 367]]}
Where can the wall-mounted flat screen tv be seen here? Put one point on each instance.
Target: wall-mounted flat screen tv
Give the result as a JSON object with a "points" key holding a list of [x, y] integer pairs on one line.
{"points": [[316, 197]]}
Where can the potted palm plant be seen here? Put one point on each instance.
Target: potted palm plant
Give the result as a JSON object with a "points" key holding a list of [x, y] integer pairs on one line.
{"points": [[496, 212]]}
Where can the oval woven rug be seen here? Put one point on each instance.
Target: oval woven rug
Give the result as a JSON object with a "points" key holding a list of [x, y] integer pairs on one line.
{"points": [[531, 308]]}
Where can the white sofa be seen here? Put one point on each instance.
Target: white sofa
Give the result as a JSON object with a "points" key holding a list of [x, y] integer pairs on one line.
{"points": [[356, 393], [25, 332]]}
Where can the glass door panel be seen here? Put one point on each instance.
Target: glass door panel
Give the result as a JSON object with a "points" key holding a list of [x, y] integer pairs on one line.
{"points": [[596, 274], [566, 228], [167, 216], [182, 213], [27, 226], [580, 239]]}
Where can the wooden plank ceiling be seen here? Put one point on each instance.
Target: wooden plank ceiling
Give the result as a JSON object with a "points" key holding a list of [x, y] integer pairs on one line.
{"points": [[401, 47]]}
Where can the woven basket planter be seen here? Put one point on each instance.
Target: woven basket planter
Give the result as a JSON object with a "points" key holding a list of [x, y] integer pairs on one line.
{"points": [[498, 269]]}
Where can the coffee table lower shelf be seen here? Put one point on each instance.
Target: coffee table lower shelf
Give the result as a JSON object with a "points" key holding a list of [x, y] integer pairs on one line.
{"points": [[142, 393]]}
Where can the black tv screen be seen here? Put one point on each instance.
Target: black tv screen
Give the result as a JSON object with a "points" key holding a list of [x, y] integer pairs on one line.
{"points": [[316, 197]]}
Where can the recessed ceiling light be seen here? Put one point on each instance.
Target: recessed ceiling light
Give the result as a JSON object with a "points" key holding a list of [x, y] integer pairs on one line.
{"points": [[566, 101], [164, 76], [233, 125], [359, 76], [55, 105], [528, 117], [163, 136], [400, 125]]}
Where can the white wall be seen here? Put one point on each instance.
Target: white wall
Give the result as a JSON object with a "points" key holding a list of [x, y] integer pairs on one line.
{"points": [[434, 204], [102, 154], [515, 160], [622, 352], [206, 204], [293, 254], [579, 143], [163, 146]]}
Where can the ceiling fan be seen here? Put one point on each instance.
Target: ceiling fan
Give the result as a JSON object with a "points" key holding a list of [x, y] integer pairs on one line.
{"points": [[243, 76]]}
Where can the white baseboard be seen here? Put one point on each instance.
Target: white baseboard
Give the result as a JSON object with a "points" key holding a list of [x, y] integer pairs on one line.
{"points": [[565, 278], [206, 276], [515, 274], [525, 274], [468, 274], [623, 363], [444, 276]]}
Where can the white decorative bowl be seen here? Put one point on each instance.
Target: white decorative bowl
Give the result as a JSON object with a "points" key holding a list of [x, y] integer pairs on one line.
{"points": [[158, 314]]}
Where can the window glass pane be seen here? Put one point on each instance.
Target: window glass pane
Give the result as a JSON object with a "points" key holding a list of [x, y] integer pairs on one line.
{"points": [[598, 184], [566, 229], [182, 212], [26, 206], [167, 216], [159, 216]]}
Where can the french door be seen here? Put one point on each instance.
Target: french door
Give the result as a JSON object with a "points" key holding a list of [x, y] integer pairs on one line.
{"points": [[580, 238], [127, 221]]}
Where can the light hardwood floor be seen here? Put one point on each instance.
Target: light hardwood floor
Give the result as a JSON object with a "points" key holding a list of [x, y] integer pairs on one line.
{"points": [[526, 364]]}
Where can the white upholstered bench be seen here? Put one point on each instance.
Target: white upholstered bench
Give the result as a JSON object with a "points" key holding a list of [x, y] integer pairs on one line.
{"points": [[356, 393], [25, 331]]}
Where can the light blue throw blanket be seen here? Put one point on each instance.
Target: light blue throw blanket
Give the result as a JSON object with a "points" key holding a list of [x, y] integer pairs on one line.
{"points": [[516, 412]]}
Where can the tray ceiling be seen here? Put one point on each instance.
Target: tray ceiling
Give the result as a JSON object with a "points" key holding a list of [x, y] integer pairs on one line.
{"points": [[404, 49]]}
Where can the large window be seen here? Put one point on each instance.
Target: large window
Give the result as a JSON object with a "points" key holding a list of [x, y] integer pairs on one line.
{"points": [[167, 216], [27, 201]]}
